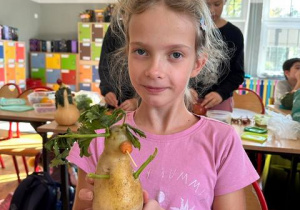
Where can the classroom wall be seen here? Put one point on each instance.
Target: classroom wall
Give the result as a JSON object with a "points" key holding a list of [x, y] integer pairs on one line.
{"points": [[42, 21], [59, 21], [20, 14]]}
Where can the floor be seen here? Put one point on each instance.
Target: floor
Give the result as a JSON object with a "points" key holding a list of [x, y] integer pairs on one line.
{"points": [[8, 177]]}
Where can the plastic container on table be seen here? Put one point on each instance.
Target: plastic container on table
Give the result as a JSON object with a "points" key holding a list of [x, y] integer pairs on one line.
{"points": [[44, 108], [36, 97], [220, 115]]}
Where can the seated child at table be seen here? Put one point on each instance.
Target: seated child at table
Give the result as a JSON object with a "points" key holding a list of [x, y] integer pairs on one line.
{"points": [[285, 88]]}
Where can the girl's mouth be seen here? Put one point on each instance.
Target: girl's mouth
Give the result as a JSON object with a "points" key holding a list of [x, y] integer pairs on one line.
{"points": [[154, 90]]}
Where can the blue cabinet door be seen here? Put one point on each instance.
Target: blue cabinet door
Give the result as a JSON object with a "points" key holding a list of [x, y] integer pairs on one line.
{"points": [[85, 86], [37, 60], [52, 75], [95, 74], [1, 53]]}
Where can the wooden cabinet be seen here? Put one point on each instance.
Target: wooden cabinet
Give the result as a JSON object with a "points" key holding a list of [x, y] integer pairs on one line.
{"points": [[77, 71], [52, 66], [90, 43], [12, 63]]}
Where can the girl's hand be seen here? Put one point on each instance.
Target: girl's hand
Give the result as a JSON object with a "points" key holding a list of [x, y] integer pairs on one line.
{"points": [[88, 195], [212, 99], [111, 99], [150, 204], [129, 105]]}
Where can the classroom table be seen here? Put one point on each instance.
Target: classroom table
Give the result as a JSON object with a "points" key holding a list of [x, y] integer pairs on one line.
{"points": [[275, 108], [36, 120], [58, 129], [280, 147]]}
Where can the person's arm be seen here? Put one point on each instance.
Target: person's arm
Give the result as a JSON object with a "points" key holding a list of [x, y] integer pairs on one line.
{"points": [[230, 201], [129, 104], [297, 86], [109, 45], [280, 90], [236, 74], [84, 192]]}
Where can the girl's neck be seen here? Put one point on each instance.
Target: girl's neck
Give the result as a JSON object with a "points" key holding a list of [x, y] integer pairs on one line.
{"points": [[220, 22], [163, 121]]}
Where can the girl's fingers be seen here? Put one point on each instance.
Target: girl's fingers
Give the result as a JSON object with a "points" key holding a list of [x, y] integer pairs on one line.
{"points": [[86, 194], [146, 196]]}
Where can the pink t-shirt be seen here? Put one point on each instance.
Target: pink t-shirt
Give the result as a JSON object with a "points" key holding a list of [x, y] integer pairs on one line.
{"points": [[191, 166]]}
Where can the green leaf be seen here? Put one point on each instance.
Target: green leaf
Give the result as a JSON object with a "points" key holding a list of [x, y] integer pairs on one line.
{"points": [[93, 118], [137, 131]]}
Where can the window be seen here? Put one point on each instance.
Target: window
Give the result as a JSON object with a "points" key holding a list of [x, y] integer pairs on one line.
{"points": [[235, 11], [280, 35]]}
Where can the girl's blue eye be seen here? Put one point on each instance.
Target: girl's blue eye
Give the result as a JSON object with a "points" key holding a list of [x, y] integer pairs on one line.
{"points": [[140, 52], [176, 55]]}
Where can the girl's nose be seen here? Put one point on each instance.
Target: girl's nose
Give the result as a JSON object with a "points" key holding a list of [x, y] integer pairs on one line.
{"points": [[211, 9], [155, 69]]}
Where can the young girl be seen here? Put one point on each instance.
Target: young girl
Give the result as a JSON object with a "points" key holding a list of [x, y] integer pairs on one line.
{"points": [[201, 163]]}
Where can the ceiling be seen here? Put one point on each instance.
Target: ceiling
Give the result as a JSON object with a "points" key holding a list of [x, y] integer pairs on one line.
{"points": [[73, 1]]}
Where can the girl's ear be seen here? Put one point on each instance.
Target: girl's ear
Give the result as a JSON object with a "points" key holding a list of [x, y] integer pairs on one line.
{"points": [[199, 64]]}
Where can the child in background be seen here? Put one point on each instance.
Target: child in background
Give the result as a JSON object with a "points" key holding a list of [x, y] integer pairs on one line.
{"points": [[201, 163], [285, 88], [219, 96], [126, 100]]}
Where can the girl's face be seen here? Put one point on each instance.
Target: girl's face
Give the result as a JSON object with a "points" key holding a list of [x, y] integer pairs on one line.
{"points": [[216, 8], [161, 55]]}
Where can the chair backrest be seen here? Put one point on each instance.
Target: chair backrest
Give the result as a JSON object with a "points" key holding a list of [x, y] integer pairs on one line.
{"points": [[248, 100], [255, 199], [10, 90]]}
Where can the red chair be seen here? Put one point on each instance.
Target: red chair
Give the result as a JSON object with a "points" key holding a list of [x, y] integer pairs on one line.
{"points": [[255, 198], [10, 90], [19, 145]]}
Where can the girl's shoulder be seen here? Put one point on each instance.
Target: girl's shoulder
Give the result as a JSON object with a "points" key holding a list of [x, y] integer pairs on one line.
{"points": [[204, 128], [216, 126]]}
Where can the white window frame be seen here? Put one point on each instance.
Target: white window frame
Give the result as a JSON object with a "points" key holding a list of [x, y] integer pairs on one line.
{"points": [[272, 23], [243, 19]]}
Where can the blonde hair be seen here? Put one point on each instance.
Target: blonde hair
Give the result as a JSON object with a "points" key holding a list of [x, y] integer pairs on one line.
{"points": [[208, 39]]}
